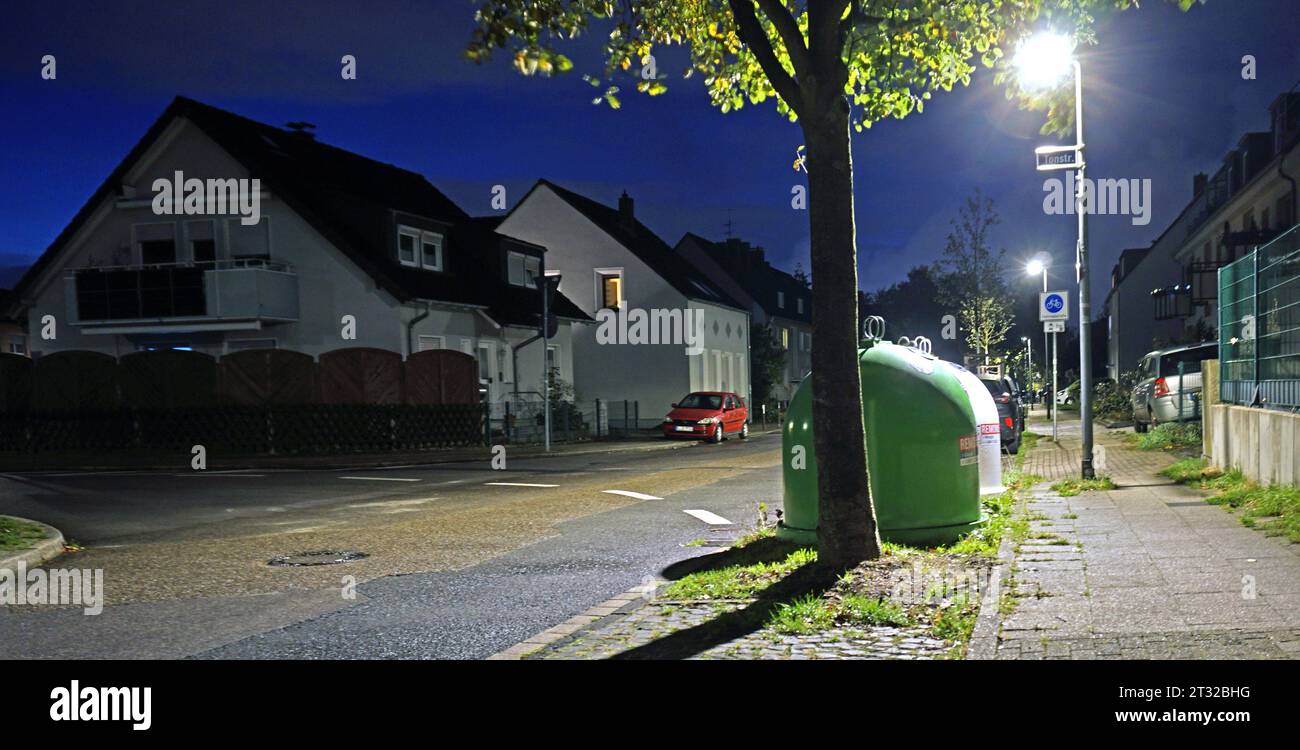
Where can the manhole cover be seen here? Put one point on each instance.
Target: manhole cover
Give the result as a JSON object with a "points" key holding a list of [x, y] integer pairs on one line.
{"points": [[321, 557]]}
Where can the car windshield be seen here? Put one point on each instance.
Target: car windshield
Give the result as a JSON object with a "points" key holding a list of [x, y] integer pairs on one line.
{"points": [[701, 401], [1190, 358]]}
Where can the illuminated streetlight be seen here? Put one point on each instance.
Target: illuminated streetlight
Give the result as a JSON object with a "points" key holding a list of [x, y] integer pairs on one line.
{"points": [[1043, 61]]}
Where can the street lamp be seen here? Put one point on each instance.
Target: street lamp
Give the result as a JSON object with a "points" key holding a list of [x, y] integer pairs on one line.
{"points": [[1043, 61]]}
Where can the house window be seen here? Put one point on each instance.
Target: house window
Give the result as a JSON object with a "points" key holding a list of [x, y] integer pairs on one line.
{"points": [[609, 289], [485, 362], [523, 269], [799, 304], [156, 243], [431, 251], [17, 344], [201, 237], [419, 248], [406, 242], [249, 240], [429, 343], [780, 300], [552, 357], [785, 338]]}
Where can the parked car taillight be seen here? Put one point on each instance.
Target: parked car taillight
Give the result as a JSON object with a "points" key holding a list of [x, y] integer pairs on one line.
{"points": [[1007, 422], [1162, 388]]}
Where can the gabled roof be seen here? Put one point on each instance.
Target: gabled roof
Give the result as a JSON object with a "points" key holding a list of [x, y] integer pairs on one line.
{"points": [[760, 279], [646, 246], [353, 201]]}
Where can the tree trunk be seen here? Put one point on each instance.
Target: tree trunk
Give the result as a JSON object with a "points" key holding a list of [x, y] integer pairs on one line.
{"points": [[846, 530]]}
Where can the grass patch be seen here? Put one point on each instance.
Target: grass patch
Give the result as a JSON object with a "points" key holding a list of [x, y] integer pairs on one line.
{"points": [[864, 610], [956, 621], [19, 535], [1170, 436], [1072, 487], [1273, 509], [743, 580], [807, 614]]}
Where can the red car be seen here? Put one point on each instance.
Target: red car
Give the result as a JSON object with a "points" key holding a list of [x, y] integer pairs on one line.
{"points": [[708, 414]]}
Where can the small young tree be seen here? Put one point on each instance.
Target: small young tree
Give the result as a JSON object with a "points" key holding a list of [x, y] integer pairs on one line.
{"points": [[766, 363], [832, 66], [970, 276]]}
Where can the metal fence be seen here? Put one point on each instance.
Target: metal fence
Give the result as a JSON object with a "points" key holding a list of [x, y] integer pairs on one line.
{"points": [[1259, 325], [524, 420]]}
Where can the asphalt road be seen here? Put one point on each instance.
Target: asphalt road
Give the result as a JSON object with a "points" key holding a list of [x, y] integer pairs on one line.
{"points": [[464, 561]]}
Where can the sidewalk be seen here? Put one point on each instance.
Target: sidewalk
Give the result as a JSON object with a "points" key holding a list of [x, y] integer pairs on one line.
{"points": [[1145, 571]]}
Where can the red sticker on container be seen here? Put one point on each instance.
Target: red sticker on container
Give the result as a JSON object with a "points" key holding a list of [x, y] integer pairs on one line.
{"points": [[968, 449]]}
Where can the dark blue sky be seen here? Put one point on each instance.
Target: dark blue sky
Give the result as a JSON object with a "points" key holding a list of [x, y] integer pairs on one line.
{"points": [[1164, 98]]}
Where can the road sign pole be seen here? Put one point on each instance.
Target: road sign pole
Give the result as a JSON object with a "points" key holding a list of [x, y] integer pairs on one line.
{"points": [[1055, 405], [1085, 296]]}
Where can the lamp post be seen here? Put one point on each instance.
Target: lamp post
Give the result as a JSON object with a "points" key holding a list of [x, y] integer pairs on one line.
{"points": [[1044, 60]]}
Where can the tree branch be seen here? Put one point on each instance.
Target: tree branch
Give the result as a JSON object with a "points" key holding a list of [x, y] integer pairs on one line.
{"points": [[791, 37], [751, 33]]}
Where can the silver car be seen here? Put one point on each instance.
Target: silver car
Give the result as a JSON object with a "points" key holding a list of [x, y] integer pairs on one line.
{"points": [[1162, 393]]}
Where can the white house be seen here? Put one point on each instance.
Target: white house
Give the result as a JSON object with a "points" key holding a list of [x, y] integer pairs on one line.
{"points": [[613, 267], [774, 298], [345, 252]]}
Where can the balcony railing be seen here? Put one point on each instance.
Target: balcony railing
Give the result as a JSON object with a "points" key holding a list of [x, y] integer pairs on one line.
{"points": [[241, 289], [1172, 302]]}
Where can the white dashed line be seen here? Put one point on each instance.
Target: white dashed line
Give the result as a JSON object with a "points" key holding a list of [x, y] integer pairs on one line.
{"points": [[382, 479], [519, 484], [712, 519], [629, 493]]}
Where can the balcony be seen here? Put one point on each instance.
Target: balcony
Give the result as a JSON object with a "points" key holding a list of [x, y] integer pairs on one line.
{"points": [[1172, 302], [214, 296]]}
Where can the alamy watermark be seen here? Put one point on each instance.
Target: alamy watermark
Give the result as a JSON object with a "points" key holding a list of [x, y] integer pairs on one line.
{"points": [[83, 587], [212, 197], [640, 327], [1120, 197]]}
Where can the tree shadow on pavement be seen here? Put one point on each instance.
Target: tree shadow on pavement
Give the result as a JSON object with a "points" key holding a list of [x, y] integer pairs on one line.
{"points": [[728, 626], [768, 550]]}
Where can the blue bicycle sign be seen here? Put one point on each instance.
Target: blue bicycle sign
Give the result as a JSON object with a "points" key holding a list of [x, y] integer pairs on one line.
{"points": [[1054, 306]]}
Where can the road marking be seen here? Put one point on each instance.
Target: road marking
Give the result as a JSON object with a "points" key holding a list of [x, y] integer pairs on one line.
{"points": [[382, 479], [713, 519], [629, 493], [519, 484]]}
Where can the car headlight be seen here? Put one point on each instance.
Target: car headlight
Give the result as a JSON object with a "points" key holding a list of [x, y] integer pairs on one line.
{"points": [[707, 420]]}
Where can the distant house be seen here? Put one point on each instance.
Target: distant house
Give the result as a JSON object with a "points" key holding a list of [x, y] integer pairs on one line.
{"points": [[346, 252], [773, 297], [613, 266]]}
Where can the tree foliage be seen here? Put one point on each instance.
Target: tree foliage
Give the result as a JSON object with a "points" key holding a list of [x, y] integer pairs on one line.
{"points": [[766, 363], [970, 274]]}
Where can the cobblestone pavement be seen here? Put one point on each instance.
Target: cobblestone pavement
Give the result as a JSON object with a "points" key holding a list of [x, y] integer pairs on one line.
{"points": [[1145, 571], [616, 636]]}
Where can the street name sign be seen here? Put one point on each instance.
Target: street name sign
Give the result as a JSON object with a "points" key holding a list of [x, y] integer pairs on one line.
{"points": [[1049, 158]]}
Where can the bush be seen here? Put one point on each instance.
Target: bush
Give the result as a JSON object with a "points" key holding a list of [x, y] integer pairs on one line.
{"points": [[1171, 435]]}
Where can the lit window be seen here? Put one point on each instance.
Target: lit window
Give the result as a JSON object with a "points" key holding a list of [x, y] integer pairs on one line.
{"points": [[610, 289], [785, 338]]}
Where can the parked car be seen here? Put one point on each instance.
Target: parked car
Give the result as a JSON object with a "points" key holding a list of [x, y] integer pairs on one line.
{"points": [[1069, 394], [1011, 412], [1161, 395], [708, 414]]}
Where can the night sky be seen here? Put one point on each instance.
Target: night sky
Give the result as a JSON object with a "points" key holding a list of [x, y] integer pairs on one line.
{"points": [[1164, 98]]}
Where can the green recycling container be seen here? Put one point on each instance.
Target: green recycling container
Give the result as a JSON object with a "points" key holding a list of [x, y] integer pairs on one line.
{"points": [[922, 450]]}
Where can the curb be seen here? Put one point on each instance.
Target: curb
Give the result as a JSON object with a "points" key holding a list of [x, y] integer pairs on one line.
{"points": [[618, 605], [42, 553], [983, 645]]}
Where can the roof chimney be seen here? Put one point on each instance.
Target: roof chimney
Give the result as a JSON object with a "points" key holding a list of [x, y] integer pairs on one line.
{"points": [[626, 216], [301, 128], [1198, 183]]}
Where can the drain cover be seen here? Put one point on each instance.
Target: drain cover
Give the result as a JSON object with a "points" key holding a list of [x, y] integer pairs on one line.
{"points": [[320, 557]]}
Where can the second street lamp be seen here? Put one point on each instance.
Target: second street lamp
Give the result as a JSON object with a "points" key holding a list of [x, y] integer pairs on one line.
{"points": [[1042, 61]]}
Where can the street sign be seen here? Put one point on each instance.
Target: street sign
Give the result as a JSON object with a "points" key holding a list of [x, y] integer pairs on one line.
{"points": [[1053, 326], [1049, 158], [1053, 306]]}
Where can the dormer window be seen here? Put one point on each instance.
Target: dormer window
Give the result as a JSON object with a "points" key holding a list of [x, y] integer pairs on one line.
{"points": [[523, 269], [799, 303], [780, 300], [419, 248]]}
